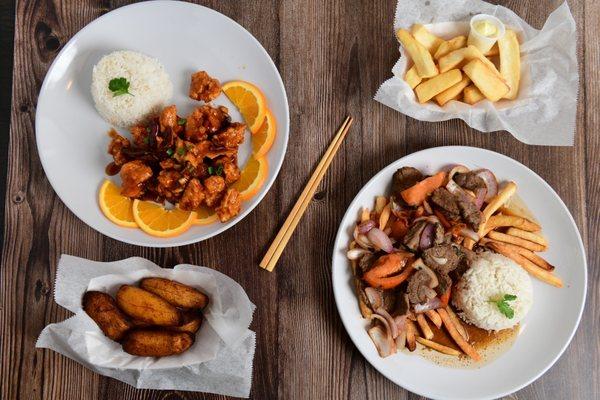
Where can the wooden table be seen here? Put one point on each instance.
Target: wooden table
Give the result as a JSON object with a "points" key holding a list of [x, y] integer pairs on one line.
{"points": [[332, 56]]}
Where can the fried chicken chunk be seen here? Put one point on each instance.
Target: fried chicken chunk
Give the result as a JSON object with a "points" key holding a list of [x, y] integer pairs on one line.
{"points": [[134, 174], [205, 120], [214, 187], [231, 171], [116, 146], [168, 119], [171, 185], [230, 205], [204, 87], [192, 196], [231, 137]]}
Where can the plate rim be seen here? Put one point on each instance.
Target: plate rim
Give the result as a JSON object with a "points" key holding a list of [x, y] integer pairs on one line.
{"points": [[336, 293], [268, 183]]}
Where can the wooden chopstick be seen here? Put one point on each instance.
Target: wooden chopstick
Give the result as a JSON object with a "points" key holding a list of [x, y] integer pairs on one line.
{"points": [[274, 252]]}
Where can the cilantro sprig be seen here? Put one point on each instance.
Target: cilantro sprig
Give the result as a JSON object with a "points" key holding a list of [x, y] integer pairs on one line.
{"points": [[503, 305], [119, 86]]}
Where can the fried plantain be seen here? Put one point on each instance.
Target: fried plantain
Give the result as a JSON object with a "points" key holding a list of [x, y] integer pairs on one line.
{"points": [[176, 293], [156, 343], [102, 308], [147, 307], [191, 323]]}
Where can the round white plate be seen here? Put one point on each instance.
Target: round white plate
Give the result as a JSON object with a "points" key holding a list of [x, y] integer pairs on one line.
{"points": [[547, 329], [72, 137]]}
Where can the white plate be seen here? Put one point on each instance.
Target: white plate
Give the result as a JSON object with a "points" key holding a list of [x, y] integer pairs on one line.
{"points": [[547, 329], [71, 135]]}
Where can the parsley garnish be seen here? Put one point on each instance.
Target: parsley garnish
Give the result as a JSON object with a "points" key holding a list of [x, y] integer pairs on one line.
{"points": [[170, 152], [503, 305], [216, 171], [119, 86], [181, 121]]}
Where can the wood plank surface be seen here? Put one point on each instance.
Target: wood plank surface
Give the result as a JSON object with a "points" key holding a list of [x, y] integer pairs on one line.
{"points": [[332, 57]]}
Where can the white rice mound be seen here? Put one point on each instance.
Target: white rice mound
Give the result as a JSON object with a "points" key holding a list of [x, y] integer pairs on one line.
{"points": [[491, 276], [150, 87]]}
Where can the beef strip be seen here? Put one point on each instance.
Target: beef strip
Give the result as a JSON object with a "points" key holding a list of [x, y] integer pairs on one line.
{"points": [[469, 180], [470, 213], [404, 178], [413, 236], [442, 258], [447, 202], [418, 287]]}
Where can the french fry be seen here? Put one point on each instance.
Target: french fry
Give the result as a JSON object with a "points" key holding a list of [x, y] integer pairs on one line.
{"points": [[412, 77], [438, 347], [418, 53], [450, 45], [510, 62], [425, 329], [528, 254], [532, 237], [384, 217], [426, 38], [502, 237], [411, 334], [380, 202], [472, 95], [494, 51], [434, 86], [365, 215], [459, 326], [452, 92], [460, 341], [533, 269], [468, 243], [434, 317], [500, 220], [490, 85], [496, 202]]}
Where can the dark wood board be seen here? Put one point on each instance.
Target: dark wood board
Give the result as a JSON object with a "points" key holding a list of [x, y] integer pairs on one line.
{"points": [[332, 56]]}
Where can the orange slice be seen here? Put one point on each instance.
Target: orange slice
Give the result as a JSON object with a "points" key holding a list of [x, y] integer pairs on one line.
{"points": [[156, 220], [252, 178], [249, 100], [264, 138], [115, 207], [205, 216]]}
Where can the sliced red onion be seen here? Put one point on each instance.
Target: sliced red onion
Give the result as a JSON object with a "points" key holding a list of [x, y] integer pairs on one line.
{"points": [[427, 236], [431, 304], [490, 182], [374, 296], [459, 169], [480, 195], [454, 188], [380, 240], [383, 340], [355, 254], [361, 239], [466, 232], [392, 324], [366, 226]]}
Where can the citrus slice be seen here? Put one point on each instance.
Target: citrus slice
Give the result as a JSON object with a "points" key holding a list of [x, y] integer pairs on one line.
{"points": [[156, 220], [264, 138], [115, 207], [205, 216], [249, 100], [252, 178]]}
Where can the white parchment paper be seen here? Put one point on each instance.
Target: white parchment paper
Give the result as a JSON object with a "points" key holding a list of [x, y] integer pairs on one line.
{"points": [[220, 361], [544, 112]]}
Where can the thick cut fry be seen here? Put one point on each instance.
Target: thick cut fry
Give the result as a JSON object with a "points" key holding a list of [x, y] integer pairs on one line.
{"points": [[426, 38], [434, 317], [458, 58], [412, 77], [411, 334], [494, 51], [541, 274], [425, 329], [438, 347], [472, 95], [496, 202], [502, 237], [104, 311], [500, 220], [147, 307], [452, 92], [156, 343], [532, 237], [460, 341], [510, 62], [419, 54], [176, 293], [528, 254], [459, 326], [450, 45], [488, 83], [434, 86]]}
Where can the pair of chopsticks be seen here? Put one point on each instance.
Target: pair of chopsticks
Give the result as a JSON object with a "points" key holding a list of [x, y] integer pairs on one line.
{"points": [[272, 256]]}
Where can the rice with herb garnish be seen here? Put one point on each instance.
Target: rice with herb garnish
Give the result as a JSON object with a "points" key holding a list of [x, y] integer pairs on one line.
{"points": [[494, 294], [129, 87]]}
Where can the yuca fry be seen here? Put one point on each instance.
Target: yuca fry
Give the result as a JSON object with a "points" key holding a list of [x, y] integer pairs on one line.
{"points": [[450, 45], [502, 237], [412, 77], [533, 269], [452, 92], [411, 333], [496, 202], [458, 58], [528, 254], [459, 326], [428, 89], [438, 347], [460, 341], [426, 38], [468, 243], [531, 236], [434, 317], [425, 329], [490, 85], [510, 62], [472, 95], [419, 54], [499, 220], [494, 51]]}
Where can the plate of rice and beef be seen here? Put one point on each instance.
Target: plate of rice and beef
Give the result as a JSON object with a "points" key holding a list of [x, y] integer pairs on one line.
{"points": [[162, 136], [459, 273]]}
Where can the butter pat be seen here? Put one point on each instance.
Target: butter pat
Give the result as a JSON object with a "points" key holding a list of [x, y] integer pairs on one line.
{"points": [[485, 32]]}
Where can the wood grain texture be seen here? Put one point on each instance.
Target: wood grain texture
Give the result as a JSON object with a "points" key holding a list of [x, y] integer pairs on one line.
{"points": [[332, 57]]}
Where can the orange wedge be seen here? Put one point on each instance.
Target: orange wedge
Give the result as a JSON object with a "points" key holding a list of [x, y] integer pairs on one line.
{"points": [[115, 207], [264, 138], [205, 216], [249, 100], [252, 178], [156, 220]]}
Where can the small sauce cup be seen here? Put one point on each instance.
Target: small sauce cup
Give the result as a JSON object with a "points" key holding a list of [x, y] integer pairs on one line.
{"points": [[485, 30]]}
